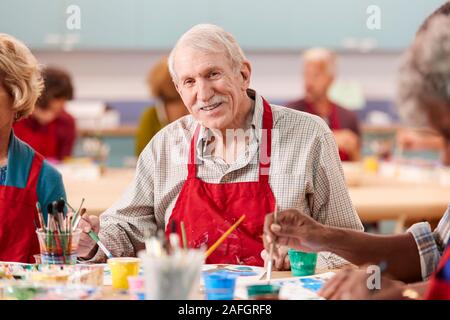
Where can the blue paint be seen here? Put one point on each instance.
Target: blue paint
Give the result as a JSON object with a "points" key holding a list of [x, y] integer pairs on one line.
{"points": [[219, 285]]}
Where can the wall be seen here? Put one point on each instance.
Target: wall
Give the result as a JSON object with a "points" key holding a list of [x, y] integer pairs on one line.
{"points": [[121, 75]]}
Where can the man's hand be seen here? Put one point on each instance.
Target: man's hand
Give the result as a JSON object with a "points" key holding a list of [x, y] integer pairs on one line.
{"points": [[352, 284], [348, 141], [281, 260], [87, 247], [294, 230]]}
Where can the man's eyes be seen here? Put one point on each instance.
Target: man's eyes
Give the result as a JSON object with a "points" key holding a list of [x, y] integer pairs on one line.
{"points": [[214, 74]]}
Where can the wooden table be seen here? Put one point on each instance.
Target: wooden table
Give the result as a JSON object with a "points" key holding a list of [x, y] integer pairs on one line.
{"points": [[375, 198]]}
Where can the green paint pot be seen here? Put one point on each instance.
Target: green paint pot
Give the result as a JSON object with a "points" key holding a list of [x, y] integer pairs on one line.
{"points": [[263, 291], [302, 263]]}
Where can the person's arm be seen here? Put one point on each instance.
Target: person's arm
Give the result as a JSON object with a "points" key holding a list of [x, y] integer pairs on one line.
{"points": [[301, 232], [398, 251], [366, 284], [123, 227], [430, 244], [348, 141], [50, 186], [328, 197]]}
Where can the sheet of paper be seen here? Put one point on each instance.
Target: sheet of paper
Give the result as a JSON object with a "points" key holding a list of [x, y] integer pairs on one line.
{"points": [[292, 288]]}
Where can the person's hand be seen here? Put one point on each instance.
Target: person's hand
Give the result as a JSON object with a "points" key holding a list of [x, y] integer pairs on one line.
{"points": [[355, 284], [346, 140], [294, 230], [281, 260], [87, 247]]}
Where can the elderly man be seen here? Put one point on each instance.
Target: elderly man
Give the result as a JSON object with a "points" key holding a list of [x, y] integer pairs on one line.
{"points": [[318, 73], [424, 97], [233, 155]]}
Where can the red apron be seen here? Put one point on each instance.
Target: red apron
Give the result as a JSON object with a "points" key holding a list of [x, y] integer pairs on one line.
{"points": [[334, 124], [439, 288], [209, 209], [18, 239]]}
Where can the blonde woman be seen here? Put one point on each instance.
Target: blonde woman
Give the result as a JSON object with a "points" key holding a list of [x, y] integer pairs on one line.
{"points": [[25, 177]]}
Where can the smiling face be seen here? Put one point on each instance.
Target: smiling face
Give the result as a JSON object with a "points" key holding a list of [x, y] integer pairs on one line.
{"points": [[212, 91]]}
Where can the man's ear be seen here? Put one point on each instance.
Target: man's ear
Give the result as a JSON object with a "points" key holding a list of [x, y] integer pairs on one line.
{"points": [[246, 71]]}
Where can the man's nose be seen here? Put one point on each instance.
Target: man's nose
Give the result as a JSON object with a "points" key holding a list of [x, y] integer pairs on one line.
{"points": [[205, 91]]}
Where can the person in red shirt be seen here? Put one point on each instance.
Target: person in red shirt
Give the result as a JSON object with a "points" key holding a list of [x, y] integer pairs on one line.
{"points": [[319, 72], [50, 130]]}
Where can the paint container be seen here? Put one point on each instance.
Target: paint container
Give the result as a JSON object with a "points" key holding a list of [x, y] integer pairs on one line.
{"points": [[136, 288], [58, 248], [122, 268], [219, 285], [302, 263], [172, 277], [263, 291]]}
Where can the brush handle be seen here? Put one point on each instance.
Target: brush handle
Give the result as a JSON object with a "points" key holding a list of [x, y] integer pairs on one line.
{"points": [[95, 237]]}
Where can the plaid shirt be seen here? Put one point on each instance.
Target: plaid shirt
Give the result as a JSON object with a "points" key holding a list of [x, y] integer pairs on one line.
{"points": [[431, 244], [305, 173]]}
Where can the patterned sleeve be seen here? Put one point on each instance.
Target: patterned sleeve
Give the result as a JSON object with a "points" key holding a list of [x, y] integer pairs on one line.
{"points": [[431, 244], [124, 225], [330, 201]]}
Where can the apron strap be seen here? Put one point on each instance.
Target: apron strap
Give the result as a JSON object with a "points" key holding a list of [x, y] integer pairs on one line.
{"points": [[35, 170], [265, 150], [192, 167]]}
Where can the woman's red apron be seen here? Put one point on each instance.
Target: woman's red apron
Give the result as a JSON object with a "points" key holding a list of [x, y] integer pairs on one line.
{"points": [[439, 288], [18, 239], [209, 209]]}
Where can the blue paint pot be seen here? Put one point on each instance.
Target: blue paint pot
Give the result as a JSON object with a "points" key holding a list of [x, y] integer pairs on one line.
{"points": [[219, 285]]}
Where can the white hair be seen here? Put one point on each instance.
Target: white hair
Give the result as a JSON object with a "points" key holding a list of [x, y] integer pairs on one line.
{"points": [[211, 39], [322, 55], [424, 75]]}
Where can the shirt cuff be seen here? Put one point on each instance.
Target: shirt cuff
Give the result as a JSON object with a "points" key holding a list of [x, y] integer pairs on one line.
{"points": [[427, 247]]}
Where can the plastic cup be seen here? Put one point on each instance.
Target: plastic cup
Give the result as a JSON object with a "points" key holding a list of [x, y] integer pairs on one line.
{"points": [[172, 277], [122, 268], [302, 263], [263, 292], [219, 285], [58, 248], [136, 287]]}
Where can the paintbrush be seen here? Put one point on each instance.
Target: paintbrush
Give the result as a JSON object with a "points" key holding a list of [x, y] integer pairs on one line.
{"points": [[77, 215], [76, 220], [95, 237], [224, 236], [272, 248], [40, 216], [174, 238], [183, 235], [60, 204]]}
